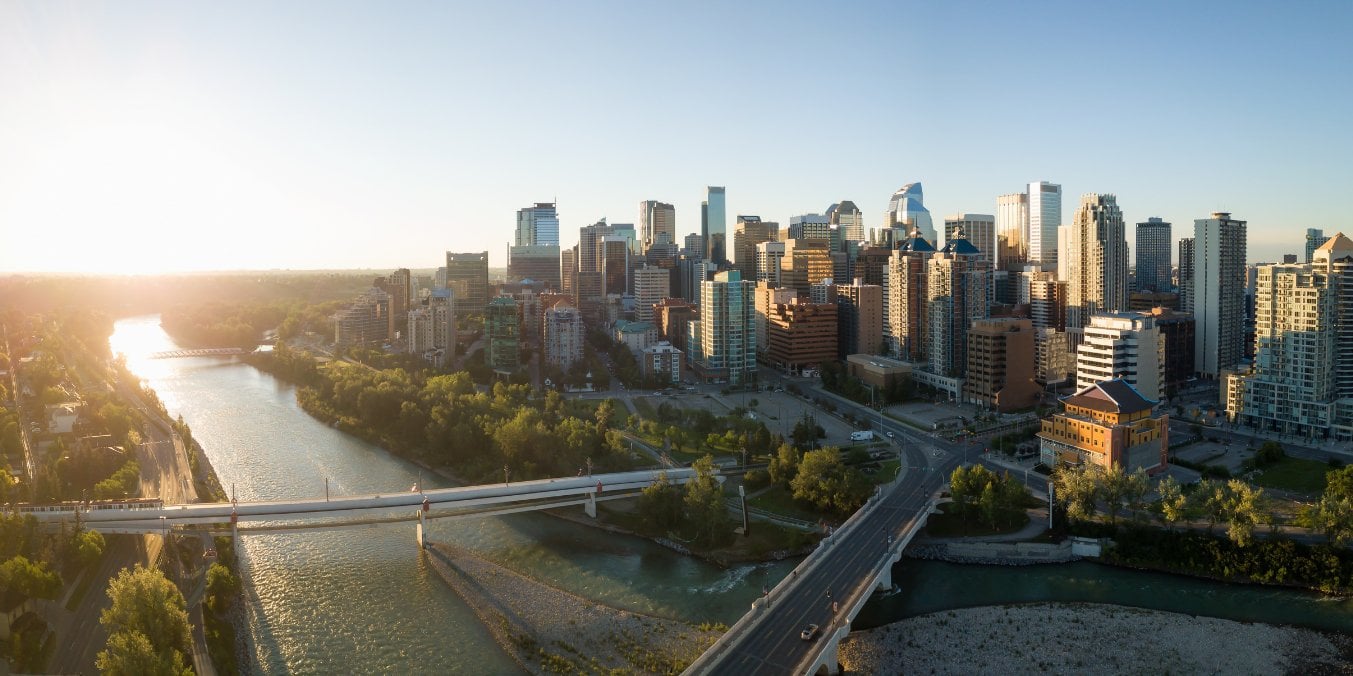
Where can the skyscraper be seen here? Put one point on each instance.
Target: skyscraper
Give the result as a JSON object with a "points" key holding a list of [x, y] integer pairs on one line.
{"points": [[588, 236], [537, 262], [747, 234], [905, 296], [1186, 274], [502, 330], [613, 256], [1097, 264], [538, 225], [1012, 231], [906, 210], [1045, 214], [657, 223], [1314, 238], [467, 275], [846, 216], [723, 341], [1218, 293], [1154, 250], [1303, 369], [809, 226], [651, 284], [981, 233], [956, 296], [859, 311], [713, 225]]}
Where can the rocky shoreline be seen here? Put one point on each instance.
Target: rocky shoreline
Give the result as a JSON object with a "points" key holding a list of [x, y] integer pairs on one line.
{"points": [[1077, 638], [548, 630]]}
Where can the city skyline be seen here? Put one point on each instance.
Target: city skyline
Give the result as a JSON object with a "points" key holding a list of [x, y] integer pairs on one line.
{"points": [[349, 136]]}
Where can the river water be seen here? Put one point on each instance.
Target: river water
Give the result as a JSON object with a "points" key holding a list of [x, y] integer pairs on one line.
{"points": [[364, 600]]}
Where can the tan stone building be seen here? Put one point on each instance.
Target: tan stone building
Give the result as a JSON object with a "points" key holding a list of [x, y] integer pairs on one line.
{"points": [[859, 313], [801, 335], [1108, 424], [1000, 373]]}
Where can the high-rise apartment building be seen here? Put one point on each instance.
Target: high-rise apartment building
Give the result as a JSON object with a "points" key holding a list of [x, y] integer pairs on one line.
{"points": [[432, 328], [714, 225], [1301, 382], [1045, 215], [1154, 251], [568, 271], [502, 330], [956, 296], [1012, 231], [467, 275], [906, 211], [538, 225], [1124, 345], [809, 226], [366, 320], [747, 234], [564, 334], [1177, 329], [859, 312], [848, 219], [723, 340], [1097, 262], [693, 245], [1218, 293], [1186, 274], [588, 238], [651, 284], [905, 296], [1314, 238], [399, 285], [657, 223], [1000, 369]]}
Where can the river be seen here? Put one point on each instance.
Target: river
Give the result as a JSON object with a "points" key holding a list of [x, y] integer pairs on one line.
{"points": [[364, 600]]}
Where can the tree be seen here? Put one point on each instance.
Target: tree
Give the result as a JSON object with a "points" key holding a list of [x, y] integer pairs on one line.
{"points": [[144, 602], [87, 546], [1211, 497], [704, 504], [130, 653], [1137, 485], [1077, 487], [785, 465], [222, 586], [603, 414], [7, 486], [804, 434], [1173, 502], [827, 483], [1113, 487], [1334, 512], [1246, 508], [660, 504], [28, 579]]}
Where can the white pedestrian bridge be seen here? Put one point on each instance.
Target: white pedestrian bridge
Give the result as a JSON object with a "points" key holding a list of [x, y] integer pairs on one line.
{"points": [[282, 516]]}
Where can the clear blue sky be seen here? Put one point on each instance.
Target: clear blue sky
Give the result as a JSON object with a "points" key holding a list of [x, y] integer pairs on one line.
{"points": [[142, 136]]}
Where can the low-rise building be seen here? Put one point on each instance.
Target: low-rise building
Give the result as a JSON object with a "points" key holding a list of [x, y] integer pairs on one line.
{"points": [[61, 418], [661, 362], [564, 335], [1108, 424], [636, 335], [881, 373]]}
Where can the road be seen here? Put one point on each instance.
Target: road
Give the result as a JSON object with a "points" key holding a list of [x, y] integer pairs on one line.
{"points": [[774, 646]]}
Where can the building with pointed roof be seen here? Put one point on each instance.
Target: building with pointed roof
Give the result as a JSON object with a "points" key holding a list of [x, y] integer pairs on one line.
{"points": [[904, 298], [907, 209], [1108, 424]]}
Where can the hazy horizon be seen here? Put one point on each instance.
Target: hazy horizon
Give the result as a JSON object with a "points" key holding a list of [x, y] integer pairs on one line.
{"points": [[157, 137]]}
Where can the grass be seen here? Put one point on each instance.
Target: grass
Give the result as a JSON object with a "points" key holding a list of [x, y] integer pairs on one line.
{"points": [[1295, 474], [945, 525], [886, 472], [779, 501], [645, 408]]}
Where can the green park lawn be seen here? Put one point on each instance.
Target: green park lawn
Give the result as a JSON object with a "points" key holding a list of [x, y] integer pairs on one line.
{"points": [[1295, 474], [778, 500], [946, 525]]}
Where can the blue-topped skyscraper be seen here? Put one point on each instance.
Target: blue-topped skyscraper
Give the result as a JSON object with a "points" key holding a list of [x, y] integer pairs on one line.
{"points": [[714, 225], [907, 210], [538, 225]]}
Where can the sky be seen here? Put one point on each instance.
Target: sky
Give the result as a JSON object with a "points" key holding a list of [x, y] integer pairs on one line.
{"points": [[146, 137]]}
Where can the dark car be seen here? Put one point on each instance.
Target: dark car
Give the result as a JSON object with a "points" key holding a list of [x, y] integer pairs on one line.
{"points": [[808, 632]]}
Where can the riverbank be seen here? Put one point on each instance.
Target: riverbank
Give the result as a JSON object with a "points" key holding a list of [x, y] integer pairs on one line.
{"points": [[548, 630], [1075, 638]]}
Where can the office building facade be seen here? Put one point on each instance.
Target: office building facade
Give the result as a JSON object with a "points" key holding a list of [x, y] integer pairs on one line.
{"points": [[1125, 346], [467, 275], [1154, 252], [1045, 216], [1219, 281]]}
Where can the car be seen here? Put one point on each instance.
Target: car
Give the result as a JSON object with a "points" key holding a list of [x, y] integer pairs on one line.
{"points": [[808, 632]]}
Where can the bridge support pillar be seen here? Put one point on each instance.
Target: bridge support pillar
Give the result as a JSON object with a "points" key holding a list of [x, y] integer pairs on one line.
{"points": [[827, 661], [591, 506], [886, 578], [235, 539], [422, 519]]}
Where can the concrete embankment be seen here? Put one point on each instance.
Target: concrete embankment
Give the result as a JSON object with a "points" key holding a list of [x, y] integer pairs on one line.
{"points": [[1080, 638], [548, 630], [997, 553]]}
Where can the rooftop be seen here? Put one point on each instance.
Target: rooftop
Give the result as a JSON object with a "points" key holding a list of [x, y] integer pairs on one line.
{"points": [[1112, 396]]}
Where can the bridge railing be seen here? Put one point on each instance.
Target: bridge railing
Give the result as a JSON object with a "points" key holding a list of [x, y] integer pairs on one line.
{"points": [[760, 607]]}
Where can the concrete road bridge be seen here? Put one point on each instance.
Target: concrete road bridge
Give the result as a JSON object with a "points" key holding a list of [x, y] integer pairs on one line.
{"points": [[294, 516]]}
